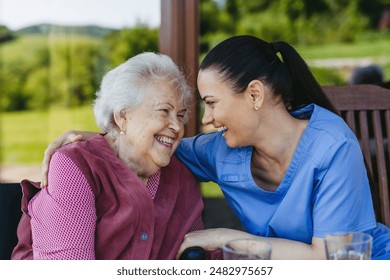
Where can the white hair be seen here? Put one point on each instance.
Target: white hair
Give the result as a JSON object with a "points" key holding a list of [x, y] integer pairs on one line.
{"points": [[124, 86]]}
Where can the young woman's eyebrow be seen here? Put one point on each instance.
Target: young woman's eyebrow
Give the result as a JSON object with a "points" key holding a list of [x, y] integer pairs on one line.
{"points": [[207, 96]]}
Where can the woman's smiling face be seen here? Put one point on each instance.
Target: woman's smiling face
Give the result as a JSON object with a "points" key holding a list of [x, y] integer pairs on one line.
{"points": [[153, 128], [225, 110]]}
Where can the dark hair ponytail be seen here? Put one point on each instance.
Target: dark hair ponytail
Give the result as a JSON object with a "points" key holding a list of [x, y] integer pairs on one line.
{"points": [[305, 87], [241, 59]]}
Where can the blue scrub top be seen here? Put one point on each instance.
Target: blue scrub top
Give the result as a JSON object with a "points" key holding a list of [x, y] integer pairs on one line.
{"points": [[324, 190]]}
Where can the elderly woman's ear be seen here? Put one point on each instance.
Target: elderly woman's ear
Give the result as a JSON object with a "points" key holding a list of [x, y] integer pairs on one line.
{"points": [[121, 119]]}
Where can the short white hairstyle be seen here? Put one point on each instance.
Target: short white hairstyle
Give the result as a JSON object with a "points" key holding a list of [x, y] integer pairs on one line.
{"points": [[124, 86]]}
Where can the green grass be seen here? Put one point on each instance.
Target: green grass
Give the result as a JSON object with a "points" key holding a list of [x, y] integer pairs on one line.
{"points": [[376, 50], [22, 48], [25, 135], [379, 48]]}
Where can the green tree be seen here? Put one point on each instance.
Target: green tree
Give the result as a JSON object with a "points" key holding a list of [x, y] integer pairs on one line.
{"points": [[295, 21], [216, 22], [37, 89], [12, 78], [73, 63], [5, 34], [123, 44]]}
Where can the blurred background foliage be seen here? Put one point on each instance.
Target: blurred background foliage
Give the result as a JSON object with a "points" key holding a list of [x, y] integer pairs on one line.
{"points": [[57, 65], [50, 72], [54, 65]]}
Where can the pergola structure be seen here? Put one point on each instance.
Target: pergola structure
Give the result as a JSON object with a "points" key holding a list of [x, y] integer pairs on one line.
{"points": [[179, 38]]}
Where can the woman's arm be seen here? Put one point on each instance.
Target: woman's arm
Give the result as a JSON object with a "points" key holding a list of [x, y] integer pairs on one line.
{"points": [[198, 154], [342, 199], [212, 239], [66, 138], [63, 215]]}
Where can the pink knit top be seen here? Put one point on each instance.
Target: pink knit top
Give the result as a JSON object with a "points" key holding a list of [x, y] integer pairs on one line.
{"points": [[64, 214]]}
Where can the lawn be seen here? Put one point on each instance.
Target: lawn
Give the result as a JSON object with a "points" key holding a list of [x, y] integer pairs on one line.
{"points": [[375, 50], [378, 48], [25, 135]]}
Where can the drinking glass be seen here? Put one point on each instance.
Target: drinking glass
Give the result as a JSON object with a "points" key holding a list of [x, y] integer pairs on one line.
{"points": [[348, 246], [247, 249]]}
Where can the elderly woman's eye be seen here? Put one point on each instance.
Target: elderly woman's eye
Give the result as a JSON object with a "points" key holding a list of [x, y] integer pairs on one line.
{"points": [[166, 111]]}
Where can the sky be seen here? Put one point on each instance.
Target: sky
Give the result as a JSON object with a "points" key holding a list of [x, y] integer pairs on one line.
{"points": [[16, 14]]}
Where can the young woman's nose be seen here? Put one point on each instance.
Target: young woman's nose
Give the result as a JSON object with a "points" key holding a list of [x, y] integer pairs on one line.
{"points": [[207, 117]]}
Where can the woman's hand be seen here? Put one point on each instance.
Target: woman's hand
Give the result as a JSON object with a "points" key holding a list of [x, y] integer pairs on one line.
{"points": [[282, 249], [210, 239], [66, 138]]}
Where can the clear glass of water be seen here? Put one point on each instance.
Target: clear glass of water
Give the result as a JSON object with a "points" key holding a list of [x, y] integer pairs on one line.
{"points": [[348, 246], [247, 249]]}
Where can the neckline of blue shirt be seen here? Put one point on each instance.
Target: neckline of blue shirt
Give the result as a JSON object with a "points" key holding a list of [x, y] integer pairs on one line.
{"points": [[308, 112]]}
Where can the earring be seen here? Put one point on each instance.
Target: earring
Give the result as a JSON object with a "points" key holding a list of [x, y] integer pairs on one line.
{"points": [[256, 108], [121, 133]]}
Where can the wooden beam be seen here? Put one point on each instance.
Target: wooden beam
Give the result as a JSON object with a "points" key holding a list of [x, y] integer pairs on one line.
{"points": [[178, 38]]}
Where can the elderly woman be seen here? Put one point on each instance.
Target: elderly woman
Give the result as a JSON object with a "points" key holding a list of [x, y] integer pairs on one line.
{"points": [[120, 195]]}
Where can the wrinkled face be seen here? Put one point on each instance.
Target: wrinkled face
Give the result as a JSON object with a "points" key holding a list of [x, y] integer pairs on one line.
{"points": [[225, 110], [153, 128]]}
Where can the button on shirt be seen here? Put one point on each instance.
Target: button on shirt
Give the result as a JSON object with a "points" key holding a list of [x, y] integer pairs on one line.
{"points": [[144, 236]]}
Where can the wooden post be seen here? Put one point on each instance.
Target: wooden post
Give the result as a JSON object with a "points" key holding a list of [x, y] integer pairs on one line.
{"points": [[178, 38]]}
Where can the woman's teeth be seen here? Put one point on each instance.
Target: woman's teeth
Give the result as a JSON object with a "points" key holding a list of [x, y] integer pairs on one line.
{"points": [[222, 128], [164, 140]]}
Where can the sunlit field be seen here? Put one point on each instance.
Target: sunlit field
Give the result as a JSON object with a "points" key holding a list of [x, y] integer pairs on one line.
{"points": [[25, 135]]}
